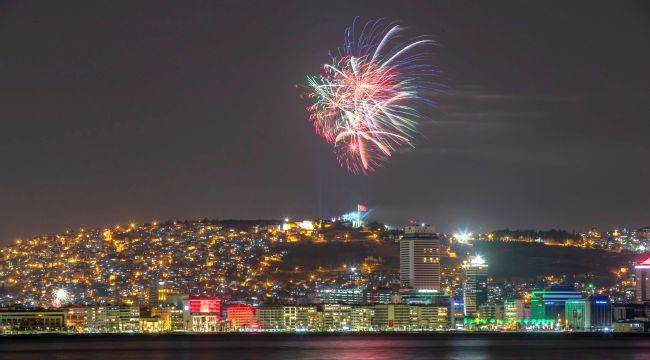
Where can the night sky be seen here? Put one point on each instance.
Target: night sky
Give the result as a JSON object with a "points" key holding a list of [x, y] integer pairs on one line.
{"points": [[133, 111]]}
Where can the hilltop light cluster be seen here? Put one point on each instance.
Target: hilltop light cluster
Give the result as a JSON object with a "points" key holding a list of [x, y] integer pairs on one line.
{"points": [[118, 265], [261, 262]]}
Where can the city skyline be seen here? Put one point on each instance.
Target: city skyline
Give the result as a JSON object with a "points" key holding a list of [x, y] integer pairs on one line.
{"points": [[114, 113], [203, 276]]}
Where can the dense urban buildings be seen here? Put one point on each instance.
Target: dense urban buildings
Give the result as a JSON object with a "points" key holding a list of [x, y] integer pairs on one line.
{"points": [[209, 276]]}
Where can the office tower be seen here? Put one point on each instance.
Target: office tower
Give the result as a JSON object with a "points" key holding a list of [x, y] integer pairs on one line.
{"points": [[642, 271], [475, 291], [420, 258]]}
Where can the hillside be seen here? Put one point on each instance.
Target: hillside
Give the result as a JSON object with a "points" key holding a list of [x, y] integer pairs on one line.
{"points": [[506, 259]]}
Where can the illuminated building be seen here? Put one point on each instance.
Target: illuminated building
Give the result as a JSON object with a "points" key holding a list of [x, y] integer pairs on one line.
{"points": [[179, 301], [457, 314], [516, 311], [475, 292], [337, 317], [241, 317], [289, 317], [159, 293], [510, 312], [491, 312], [32, 320], [631, 326], [642, 272], [392, 317], [425, 297], [152, 325], [547, 306], [308, 318], [420, 258], [171, 317], [576, 313], [205, 313], [277, 317], [591, 314], [205, 305], [362, 318], [379, 296], [622, 312], [600, 313], [204, 322], [103, 319], [75, 318], [271, 317], [431, 318], [350, 296]]}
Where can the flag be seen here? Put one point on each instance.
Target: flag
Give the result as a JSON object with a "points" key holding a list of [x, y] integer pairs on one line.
{"points": [[361, 207]]}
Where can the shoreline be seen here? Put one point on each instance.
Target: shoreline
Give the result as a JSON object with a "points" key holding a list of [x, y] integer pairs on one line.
{"points": [[284, 335]]}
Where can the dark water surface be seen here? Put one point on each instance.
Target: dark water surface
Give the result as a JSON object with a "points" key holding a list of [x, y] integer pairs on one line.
{"points": [[344, 346]]}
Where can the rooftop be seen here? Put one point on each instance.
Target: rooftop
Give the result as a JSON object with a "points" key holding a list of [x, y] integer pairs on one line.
{"points": [[643, 263]]}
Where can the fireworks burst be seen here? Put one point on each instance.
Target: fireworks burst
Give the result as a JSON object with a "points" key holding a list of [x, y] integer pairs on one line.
{"points": [[60, 297], [364, 102]]}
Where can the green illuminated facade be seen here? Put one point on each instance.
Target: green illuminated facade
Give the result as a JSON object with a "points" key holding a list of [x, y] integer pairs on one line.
{"points": [[548, 306], [576, 313]]}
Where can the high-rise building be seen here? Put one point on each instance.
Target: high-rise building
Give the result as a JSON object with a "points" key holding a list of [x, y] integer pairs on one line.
{"points": [[475, 292], [420, 258], [642, 268]]}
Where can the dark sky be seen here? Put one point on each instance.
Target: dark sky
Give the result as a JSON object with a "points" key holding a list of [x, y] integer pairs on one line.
{"points": [[120, 111]]}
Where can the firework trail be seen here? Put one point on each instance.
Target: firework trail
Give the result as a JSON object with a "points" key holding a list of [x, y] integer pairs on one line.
{"points": [[364, 102]]}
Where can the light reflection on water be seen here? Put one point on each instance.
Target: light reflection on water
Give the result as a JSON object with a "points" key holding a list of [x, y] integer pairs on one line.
{"points": [[376, 346]]}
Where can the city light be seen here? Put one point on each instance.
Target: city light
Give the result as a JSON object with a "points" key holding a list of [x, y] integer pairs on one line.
{"points": [[463, 236], [143, 266]]}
